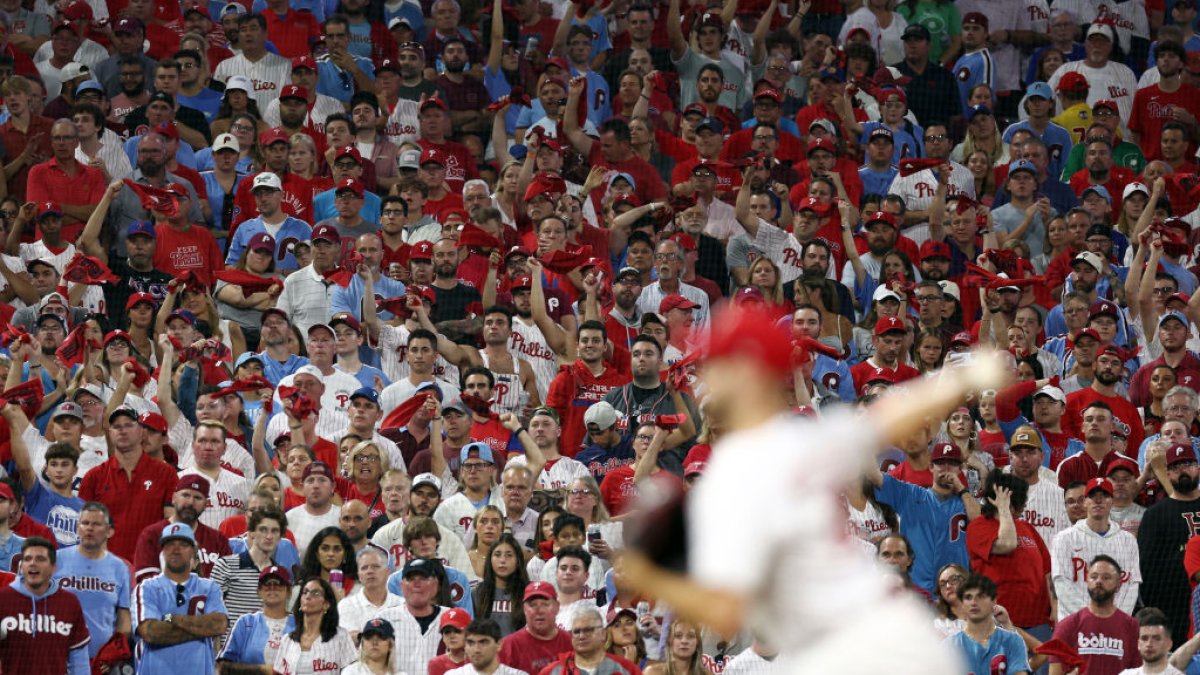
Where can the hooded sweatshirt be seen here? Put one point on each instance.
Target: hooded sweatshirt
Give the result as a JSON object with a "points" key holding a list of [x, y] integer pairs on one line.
{"points": [[43, 633]]}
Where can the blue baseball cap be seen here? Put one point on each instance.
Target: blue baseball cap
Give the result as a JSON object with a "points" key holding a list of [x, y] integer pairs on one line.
{"points": [[182, 314], [832, 72], [247, 356], [980, 109], [481, 450], [144, 228], [368, 393], [518, 151], [89, 85], [1177, 315], [1100, 191], [1022, 165], [1040, 89], [430, 386], [178, 531]]}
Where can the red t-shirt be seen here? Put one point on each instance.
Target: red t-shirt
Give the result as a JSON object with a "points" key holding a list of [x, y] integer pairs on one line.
{"points": [[1153, 108], [1020, 576], [1118, 178], [135, 501], [452, 200], [460, 165], [904, 471], [32, 648], [442, 664], [495, 434], [292, 33], [211, 545], [864, 371], [1109, 645], [728, 176], [28, 527], [572, 391], [235, 526], [650, 186], [738, 145], [619, 491], [195, 250], [530, 654], [1082, 467], [1187, 374], [1126, 415], [298, 193]]}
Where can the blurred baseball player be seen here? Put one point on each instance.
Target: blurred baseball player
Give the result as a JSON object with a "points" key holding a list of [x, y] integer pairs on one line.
{"points": [[800, 582]]}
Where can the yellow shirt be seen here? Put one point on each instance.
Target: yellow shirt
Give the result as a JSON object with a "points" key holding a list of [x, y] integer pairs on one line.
{"points": [[1075, 120]]}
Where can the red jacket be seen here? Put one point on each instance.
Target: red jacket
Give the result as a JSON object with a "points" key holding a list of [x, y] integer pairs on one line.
{"points": [[572, 392]]}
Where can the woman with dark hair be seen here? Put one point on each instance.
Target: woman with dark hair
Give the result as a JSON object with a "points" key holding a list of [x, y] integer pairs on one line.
{"points": [[331, 550], [316, 639], [499, 596], [1162, 379], [236, 102], [244, 304], [951, 615], [819, 292], [1008, 550], [624, 638]]}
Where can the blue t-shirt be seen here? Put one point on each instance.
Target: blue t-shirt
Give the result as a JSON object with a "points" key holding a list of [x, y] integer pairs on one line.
{"points": [[460, 588], [323, 207], [906, 142], [59, 513], [285, 554], [275, 371], [207, 101], [10, 549], [1004, 647], [157, 597], [360, 39], [970, 70], [102, 586], [366, 376], [877, 182], [249, 638], [349, 299], [936, 528], [1058, 143], [337, 83], [497, 85], [291, 231], [183, 154]]}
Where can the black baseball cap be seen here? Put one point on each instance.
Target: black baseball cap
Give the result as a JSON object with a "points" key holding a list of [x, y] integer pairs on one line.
{"points": [[916, 31]]}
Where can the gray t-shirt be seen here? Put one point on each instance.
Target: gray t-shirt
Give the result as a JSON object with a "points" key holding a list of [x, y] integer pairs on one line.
{"points": [[1008, 218]]}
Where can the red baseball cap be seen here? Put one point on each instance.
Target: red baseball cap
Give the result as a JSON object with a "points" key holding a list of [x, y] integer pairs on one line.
{"points": [[456, 617], [890, 324], [675, 301], [1073, 82], [825, 143], [352, 184], [192, 482], [1180, 454], [273, 136], [294, 91], [434, 101], [318, 468], [1102, 484], [771, 93], [536, 589], [935, 249], [348, 151], [422, 250], [881, 217], [304, 62], [1123, 465], [523, 281], [153, 421], [685, 241], [135, 298], [946, 452]]}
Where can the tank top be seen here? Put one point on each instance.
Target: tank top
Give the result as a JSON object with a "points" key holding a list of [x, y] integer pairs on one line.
{"points": [[509, 395]]}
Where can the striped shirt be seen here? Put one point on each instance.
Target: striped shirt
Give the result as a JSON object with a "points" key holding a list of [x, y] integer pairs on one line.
{"points": [[331, 424], [331, 656], [528, 341], [415, 647], [557, 473], [750, 663], [450, 549], [235, 459], [653, 295], [268, 75], [320, 109], [1074, 549], [228, 495], [457, 513], [393, 346], [510, 395], [306, 298], [237, 575], [1046, 508], [112, 153], [355, 610], [38, 251]]}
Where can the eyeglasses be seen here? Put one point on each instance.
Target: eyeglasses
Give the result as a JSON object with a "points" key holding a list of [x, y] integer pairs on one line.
{"points": [[580, 493], [272, 584], [367, 459], [396, 213], [956, 579], [639, 437], [475, 466], [929, 298], [313, 593], [1103, 112], [1164, 291], [241, 127], [187, 65], [936, 137], [585, 631]]}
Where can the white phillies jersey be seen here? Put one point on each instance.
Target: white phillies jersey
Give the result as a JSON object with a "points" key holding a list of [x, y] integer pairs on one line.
{"points": [[509, 395], [1114, 82], [321, 109], [393, 346], [322, 656], [338, 387], [235, 459], [784, 249], [1034, 16], [331, 424], [557, 474], [403, 123], [527, 341], [450, 549], [1129, 16], [1072, 551], [868, 524], [268, 75], [1045, 509], [918, 189], [227, 496], [39, 251], [815, 594], [458, 513]]}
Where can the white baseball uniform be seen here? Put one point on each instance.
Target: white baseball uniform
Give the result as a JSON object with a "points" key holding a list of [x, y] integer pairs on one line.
{"points": [[812, 593], [868, 524], [269, 75], [457, 513], [321, 109], [1072, 552], [559, 474], [236, 458], [450, 549], [1114, 82], [528, 341], [1045, 509], [919, 188], [227, 495], [393, 346]]}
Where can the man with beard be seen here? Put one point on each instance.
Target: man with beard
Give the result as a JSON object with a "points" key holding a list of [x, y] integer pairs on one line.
{"points": [[889, 345], [178, 614], [411, 64], [647, 396], [1166, 527], [116, 72], [194, 91], [541, 319], [832, 375], [624, 321], [1173, 334], [137, 272], [435, 127], [267, 72], [1044, 508], [918, 190], [1100, 170], [612, 150], [151, 170], [292, 112], [465, 96], [189, 501], [932, 519], [452, 296], [1103, 635], [318, 105], [669, 265], [1109, 367], [1157, 104], [424, 497], [276, 145], [882, 233], [277, 360], [1095, 535]]}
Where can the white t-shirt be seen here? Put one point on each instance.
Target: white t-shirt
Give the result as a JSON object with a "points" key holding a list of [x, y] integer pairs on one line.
{"points": [[227, 496], [268, 75], [304, 525]]}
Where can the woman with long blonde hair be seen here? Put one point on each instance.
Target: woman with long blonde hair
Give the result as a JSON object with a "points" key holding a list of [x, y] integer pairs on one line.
{"points": [[682, 654], [764, 275]]}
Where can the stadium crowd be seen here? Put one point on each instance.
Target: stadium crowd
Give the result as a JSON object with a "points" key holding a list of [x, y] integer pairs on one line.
{"points": [[349, 336]]}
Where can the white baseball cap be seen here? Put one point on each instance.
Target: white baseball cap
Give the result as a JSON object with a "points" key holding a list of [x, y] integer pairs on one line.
{"points": [[883, 292], [268, 180], [951, 289], [239, 82], [73, 70], [226, 142], [1104, 29], [1135, 186]]}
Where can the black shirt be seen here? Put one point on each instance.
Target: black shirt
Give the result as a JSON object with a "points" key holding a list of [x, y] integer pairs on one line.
{"points": [[618, 62], [1162, 536], [132, 281], [193, 118], [932, 95], [451, 304]]}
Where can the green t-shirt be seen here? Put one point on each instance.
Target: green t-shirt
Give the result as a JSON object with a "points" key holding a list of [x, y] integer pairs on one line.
{"points": [[1126, 154], [942, 20]]}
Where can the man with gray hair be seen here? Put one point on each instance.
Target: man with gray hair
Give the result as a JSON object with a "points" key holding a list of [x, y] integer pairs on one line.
{"points": [[75, 186], [587, 648], [1179, 405], [356, 609]]}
